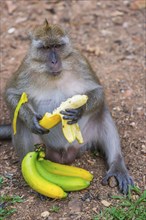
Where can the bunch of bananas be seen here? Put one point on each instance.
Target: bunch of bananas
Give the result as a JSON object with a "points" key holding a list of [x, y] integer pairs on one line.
{"points": [[53, 179]]}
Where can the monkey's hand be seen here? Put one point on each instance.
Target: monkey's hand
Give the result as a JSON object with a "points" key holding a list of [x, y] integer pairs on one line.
{"points": [[73, 115], [31, 119], [121, 175], [34, 125]]}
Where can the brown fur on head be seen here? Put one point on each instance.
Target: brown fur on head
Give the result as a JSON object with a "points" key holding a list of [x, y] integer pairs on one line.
{"points": [[48, 31]]}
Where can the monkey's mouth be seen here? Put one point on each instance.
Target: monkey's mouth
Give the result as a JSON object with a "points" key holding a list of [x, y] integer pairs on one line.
{"points": [[56, 73]]}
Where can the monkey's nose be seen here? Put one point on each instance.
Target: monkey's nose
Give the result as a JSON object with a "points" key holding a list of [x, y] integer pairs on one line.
{"points": [[53, 57]]}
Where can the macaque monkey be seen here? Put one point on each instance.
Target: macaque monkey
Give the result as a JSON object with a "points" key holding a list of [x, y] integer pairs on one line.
{"points": [[52, 71]]}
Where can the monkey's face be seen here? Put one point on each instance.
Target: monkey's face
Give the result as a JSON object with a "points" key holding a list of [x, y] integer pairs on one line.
{"points": [[50, 46]]}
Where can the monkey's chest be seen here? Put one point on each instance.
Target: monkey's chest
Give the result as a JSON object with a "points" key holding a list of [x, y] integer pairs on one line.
{"points": [[48, 104], [46, 100]]}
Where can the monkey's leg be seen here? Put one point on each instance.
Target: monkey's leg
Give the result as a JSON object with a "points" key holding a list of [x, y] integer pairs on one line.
{"points": [[63, 156], [109, 139]]}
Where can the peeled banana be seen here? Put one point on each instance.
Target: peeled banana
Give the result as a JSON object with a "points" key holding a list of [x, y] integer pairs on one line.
{"points": [[71, 132], [65, 170], [36, 181], [74, 102], [67, 183], [50, 120]]}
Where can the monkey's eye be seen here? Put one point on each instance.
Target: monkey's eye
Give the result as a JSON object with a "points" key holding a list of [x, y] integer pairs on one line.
{"points": [[47, 47], [58, 45]]}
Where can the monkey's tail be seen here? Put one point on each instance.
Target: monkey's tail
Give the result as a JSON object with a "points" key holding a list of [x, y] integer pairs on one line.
{"points": [[5, 132]]}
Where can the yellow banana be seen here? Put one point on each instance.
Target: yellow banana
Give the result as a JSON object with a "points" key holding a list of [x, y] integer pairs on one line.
{"points": [[74, 102], [65, 170], [50, 120], [36, 181], [67, 183]]}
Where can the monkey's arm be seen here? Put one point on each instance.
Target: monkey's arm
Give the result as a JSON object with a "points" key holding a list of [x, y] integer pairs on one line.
{"points": [[95, 102], [26, 112]]}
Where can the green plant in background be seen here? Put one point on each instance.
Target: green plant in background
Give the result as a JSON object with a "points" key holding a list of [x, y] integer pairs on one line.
{"points": [[6, 203], [55, 208], [130, 207], [1, 181]]}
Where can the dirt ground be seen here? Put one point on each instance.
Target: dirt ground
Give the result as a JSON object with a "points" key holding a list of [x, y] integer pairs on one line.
{"points": [[111, 34]]}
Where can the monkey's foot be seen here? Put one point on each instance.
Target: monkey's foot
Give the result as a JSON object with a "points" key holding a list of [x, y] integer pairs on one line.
{"points": [[123, 178]]}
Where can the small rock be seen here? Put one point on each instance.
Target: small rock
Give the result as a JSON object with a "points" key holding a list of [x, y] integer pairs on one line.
{"points": [[135, 197], [97, 51], [117, 109], [105, 203], [125, 25], [11, 30], [106, 33], [75, 205], [143, 149], [45, 214], [118, 20], [126, 2], [132, 124], [21, 20], [140, 111], [117, 13], [128, 93], [113, 182], [90, 48]]}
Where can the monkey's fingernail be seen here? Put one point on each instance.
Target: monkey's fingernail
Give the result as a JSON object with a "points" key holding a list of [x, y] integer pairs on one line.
{"points": [[62, 112]]}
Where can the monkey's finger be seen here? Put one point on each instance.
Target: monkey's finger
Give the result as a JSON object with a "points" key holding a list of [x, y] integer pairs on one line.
{"points": [[67, 113], [71, 117], [70, 112], [124, 183], [72, 122], [38, 116], [105, 179], [73, 111], [77, 111], [37, 129], [131, 181]]}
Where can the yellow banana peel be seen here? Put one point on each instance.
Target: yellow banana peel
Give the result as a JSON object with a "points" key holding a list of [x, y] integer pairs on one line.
{"points": [[23, 99], [71, 132], [74, 102]]}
